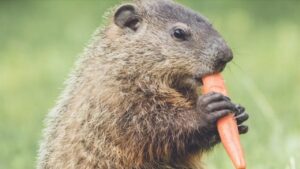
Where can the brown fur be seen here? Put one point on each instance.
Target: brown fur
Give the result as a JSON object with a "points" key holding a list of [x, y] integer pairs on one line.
{"points": [[122, 107]]}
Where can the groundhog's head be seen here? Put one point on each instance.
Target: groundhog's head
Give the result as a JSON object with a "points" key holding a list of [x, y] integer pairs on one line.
{"points": [[161, 43]]}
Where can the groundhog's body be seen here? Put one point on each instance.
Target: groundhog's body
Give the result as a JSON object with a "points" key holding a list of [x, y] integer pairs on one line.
{"points": [[132, 100]]}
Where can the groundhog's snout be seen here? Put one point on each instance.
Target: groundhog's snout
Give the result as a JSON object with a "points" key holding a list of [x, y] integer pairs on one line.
{"points": [[224, 56]]}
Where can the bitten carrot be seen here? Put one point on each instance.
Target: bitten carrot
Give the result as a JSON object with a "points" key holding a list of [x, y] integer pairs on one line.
{"points": [[227, 126]]}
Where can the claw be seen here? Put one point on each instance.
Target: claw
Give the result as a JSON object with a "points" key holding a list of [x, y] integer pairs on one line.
{"points": [[240, 114], [243, 129], [239, 109]]}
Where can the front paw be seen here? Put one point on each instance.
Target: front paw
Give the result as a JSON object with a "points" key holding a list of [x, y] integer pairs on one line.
{"points": [[214, 106]]}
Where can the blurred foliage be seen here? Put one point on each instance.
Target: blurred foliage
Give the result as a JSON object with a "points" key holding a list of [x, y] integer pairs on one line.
{"points": [[39, 42]]}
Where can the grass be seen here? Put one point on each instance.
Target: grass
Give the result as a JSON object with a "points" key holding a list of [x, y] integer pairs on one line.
{"points": [[40, 41]]}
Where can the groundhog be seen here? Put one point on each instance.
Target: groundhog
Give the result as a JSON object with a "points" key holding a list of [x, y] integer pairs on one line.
{"points": [[133, 102]]}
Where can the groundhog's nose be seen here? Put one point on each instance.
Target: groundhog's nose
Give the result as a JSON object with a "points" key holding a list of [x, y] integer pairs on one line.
{"points": [[225, 55]]}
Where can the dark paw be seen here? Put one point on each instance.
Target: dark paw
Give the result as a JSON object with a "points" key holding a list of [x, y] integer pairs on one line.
{"points": [[211, 108], [214, 106]]}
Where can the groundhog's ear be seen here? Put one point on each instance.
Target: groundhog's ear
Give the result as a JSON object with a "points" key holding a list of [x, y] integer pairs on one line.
{"points": [[126, 17]]}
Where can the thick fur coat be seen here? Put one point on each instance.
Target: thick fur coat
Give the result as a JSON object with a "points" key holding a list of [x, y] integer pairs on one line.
{"points": [[132, 101]]}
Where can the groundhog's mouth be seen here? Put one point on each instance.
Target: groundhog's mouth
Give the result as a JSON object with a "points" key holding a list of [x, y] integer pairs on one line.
{"points": [[189, 87]]}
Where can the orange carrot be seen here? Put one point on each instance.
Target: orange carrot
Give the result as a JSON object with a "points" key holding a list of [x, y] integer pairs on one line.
{"points": [[227, 126]]}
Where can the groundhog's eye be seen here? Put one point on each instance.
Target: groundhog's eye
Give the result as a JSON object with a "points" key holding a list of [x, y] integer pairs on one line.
{"points": [[179, 34]]}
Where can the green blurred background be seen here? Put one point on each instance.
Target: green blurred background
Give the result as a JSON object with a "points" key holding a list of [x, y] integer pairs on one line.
{"points": [[40, 41]]}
